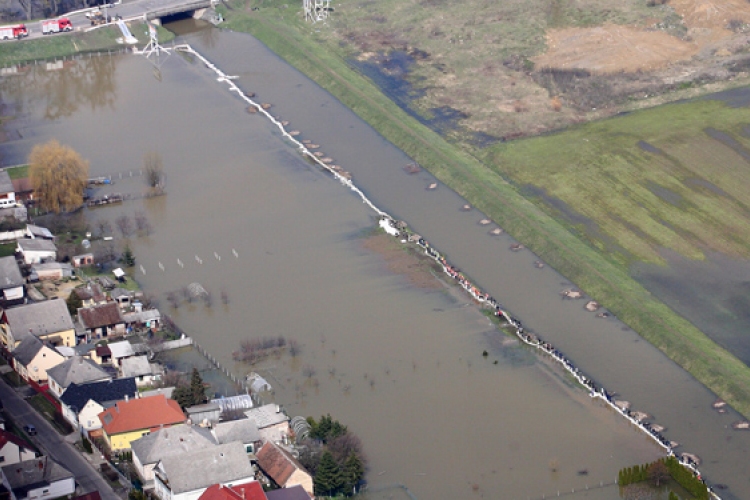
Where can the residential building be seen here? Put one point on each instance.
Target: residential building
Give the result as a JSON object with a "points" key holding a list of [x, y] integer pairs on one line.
{"points": [[50, 271], [32, 358], [244, 430], [101, 321], [144, 373], [82, 403], [129, 420], [48, 320], [120, 351], [13, 449], [83, 260], [272, 422], [178, 440], [36, 250], [91, 295], [40, 477], [282, 468], [38, 232], [7, 192], [245, 491], [187, 476], [11, 281], [76, 370]]}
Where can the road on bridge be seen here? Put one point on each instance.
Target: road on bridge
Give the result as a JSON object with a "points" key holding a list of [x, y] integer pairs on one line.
{"points": [[53, 445]]}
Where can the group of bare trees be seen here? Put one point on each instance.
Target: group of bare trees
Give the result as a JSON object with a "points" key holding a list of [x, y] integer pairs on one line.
{"points": [[253, 350]]}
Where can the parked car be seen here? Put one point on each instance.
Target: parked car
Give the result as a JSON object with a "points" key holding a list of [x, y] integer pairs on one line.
{"points": [[29, 429]]}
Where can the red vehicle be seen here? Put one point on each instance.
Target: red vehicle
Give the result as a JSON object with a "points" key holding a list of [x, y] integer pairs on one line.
{"points": [[16, 31], [56, 25]]}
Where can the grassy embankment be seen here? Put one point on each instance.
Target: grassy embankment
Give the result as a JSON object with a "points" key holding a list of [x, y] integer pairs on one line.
{"points": [[600, 276], [68, 44]]}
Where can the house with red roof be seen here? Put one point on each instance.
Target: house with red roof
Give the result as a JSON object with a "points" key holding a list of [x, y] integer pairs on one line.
{"points": [[134, 418], [247, 491], [13, 449], [282, 468]]}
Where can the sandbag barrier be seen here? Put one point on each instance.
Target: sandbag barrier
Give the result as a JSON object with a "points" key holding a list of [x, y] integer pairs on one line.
{"points": [[401, 231]]}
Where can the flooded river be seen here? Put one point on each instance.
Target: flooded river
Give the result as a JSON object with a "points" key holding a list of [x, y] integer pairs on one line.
{"points": [[401, 366]]}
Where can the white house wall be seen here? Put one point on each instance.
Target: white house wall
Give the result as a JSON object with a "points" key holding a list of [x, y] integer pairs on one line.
{"points": [[88, 418], [13, 293], [11, 453], [55, 490]]}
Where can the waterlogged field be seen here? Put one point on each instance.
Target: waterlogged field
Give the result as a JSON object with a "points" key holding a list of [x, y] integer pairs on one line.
{"points": [[672, 178]]}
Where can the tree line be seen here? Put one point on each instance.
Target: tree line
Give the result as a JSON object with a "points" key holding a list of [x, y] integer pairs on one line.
{"points": [[334, 456], [660, 471]]}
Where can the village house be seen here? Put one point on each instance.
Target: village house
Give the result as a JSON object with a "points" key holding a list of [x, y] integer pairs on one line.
{"points": [[138, 319], [129, 420], [13, 449], [32, 358], [38, 232], [50, 271], [150, 449], [188, 475], [244, 431], [121, 350], [282, 468], [11, 281], [48, 320], [245, 491], [36, 250], [7, 192], [101, 321], [83, 260], [82, 403], [40, 477], [273, 423], [144, 373], [121, 297], [91, 295], [76, 370]]}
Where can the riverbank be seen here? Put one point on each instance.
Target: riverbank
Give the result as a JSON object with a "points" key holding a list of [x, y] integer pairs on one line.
{"points": [[69, 44], [592, 271]]}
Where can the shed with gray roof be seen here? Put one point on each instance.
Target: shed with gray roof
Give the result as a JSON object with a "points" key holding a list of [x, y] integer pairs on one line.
{"points": [[11, 281]]}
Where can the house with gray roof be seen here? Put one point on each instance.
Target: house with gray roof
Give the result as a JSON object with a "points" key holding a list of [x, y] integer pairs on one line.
{"points": [[36, 250], [50, 271], [103, 320], [34, 232], [272, 422], [11, 281], [244, 430], [7, 192], [82, 403], [32, 358], [48, 320], [40, 477], [76, 370], [188, 475], [138, 367], [177, 440]]}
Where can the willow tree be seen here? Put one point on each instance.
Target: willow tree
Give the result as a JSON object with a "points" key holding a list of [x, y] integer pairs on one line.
{"points": [[58, 175]]}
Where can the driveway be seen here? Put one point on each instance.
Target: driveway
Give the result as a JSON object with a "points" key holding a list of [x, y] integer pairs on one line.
{"points": [[52, 444]]}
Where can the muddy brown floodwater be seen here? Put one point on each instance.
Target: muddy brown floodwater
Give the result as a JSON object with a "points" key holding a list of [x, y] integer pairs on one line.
{"points": [[400, 364]]}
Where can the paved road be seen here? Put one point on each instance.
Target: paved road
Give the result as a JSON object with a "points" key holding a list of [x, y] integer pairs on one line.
{"points": [[127, 9], [52, 444]]}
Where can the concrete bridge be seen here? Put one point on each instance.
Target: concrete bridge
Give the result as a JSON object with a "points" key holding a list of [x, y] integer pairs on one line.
{"points": [[157, 10]]}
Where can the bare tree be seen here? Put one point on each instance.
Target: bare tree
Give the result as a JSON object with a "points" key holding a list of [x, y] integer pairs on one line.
{"points": [[58, 175], [143, 226], [658, 473], [308, 371], [154, 168], [104, 227], [124, 225]]}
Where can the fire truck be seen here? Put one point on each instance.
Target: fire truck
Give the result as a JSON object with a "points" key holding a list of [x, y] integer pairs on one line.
{"points": [[17, 31], [56, 25]]}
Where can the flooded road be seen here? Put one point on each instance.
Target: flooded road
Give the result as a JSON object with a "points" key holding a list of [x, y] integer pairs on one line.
{"points": [[401, 366]]}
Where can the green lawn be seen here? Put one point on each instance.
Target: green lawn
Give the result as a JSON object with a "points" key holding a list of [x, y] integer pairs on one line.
{"points": [[18, 172]]}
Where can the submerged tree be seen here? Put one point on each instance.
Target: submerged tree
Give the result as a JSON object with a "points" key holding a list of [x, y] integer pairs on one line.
{"points": [[128, 258], [58, 175], [154, 168], [328, 478]]}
